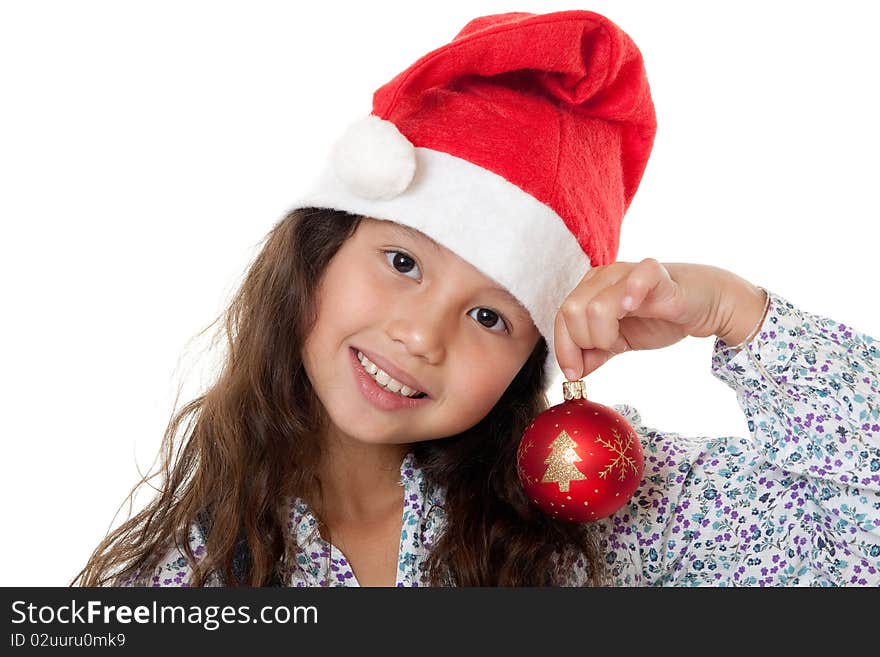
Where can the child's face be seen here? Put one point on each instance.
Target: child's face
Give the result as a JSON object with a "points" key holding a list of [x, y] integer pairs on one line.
{"points": [[428, 312]]}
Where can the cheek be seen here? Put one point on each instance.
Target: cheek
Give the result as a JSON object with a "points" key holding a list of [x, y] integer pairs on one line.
{"points": [[491, 382], [349, 296], [481, 384], [361, 302]]}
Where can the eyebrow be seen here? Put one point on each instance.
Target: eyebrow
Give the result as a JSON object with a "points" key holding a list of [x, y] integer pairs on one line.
{"points": [[412, 233], [520, 309]]}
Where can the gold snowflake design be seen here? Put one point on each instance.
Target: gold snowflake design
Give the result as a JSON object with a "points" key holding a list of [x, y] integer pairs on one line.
{"points": [[621, 460], [524, 448]]}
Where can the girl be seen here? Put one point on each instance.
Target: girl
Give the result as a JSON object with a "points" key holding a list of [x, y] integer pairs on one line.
{"points": [[400, 326]]}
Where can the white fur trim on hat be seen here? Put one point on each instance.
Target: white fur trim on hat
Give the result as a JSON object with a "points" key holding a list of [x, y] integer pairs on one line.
{"points": [[374, 159]]}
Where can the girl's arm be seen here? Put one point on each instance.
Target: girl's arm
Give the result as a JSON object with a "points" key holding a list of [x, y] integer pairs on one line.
{"points": [[810, 389], [797, 502]]}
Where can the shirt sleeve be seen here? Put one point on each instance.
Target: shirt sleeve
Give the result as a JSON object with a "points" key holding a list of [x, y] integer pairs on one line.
{"points": [[173, 569], [797, 501]]}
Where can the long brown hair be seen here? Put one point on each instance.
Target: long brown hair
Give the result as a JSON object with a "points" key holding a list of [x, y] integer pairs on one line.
{"points": [[250, 444]]}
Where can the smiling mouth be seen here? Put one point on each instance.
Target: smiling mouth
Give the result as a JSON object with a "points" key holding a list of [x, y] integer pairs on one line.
{"points": [[372, 375]]}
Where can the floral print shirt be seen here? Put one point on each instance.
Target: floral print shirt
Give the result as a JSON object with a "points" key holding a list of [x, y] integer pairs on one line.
{"points": [[795, 503]]}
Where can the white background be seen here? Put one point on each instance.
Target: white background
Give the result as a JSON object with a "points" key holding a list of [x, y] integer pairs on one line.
{"points": [[147, 147]]}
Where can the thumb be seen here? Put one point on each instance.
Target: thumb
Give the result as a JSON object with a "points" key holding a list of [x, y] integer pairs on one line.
{"points": [[594, 359]]}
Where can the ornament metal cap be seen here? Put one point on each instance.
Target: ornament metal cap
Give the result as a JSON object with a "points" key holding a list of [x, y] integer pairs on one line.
{"points": [[574, 389]]}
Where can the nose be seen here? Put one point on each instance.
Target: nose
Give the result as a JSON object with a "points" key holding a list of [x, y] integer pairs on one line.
{"points": [[424, 326]]}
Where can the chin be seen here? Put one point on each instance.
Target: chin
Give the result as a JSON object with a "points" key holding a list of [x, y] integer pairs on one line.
{"points": [[352, 424]]}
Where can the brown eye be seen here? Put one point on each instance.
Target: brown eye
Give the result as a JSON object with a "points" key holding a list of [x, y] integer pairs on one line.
{"points": [[401, 261], [490, 319]]}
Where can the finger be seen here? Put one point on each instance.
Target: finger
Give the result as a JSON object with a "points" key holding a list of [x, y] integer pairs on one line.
{"points": [[606, 309], [594, 359], [603, 315], [568, 351], [572, 330], [647, 282], [587, 334]]}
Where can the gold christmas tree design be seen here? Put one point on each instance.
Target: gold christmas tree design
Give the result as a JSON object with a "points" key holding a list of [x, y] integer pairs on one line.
{"points": [[561, 467], [621, 460]]}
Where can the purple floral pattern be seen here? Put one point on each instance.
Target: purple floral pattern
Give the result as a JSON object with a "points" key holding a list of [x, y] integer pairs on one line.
{"points": [[796, 503]]}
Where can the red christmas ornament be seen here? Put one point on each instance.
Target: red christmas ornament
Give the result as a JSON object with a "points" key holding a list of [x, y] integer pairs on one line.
{"points": [[579, 460]]}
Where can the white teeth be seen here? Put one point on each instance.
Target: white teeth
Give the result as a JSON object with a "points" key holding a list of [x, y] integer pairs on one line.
{"points": [[384, 379]]}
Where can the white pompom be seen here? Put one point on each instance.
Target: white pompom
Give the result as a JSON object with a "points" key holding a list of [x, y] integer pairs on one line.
{"points": [[374, 160]]}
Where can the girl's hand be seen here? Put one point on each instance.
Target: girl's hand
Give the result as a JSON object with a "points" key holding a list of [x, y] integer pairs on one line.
{"points": [[668, 302]]}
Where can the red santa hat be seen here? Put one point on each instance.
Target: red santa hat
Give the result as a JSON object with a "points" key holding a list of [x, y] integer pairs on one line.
{"points": [[518, 146]]}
